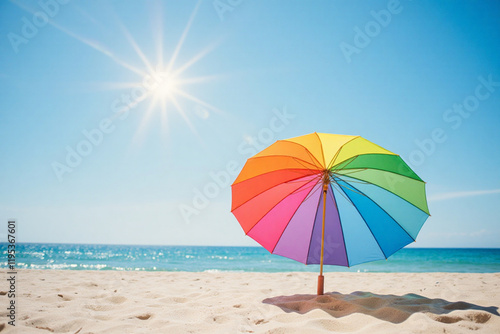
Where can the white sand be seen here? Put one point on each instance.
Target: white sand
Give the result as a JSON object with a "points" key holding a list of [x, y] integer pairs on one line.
{"points": [[165, 302]]}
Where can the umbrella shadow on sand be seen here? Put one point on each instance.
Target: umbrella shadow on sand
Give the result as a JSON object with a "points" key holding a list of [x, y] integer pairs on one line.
{"points": [[390, 308]]}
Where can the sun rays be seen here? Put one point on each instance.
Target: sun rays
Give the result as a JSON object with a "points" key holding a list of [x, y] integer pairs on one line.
{"points": [[170, 85], [162, 87]]}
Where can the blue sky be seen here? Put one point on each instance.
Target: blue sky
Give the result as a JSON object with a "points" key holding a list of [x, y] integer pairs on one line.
{"points": [[125, 122]]}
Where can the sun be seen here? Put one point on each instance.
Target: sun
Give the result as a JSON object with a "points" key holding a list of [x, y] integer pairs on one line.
{"points": [[160, 88], [166, 86], [170, 82]]}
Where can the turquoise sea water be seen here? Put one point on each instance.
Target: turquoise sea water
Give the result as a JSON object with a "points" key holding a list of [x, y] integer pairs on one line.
{"points": [[242, 259]]}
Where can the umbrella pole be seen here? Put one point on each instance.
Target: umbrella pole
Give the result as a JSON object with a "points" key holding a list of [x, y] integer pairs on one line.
{"points": [[321, 278]]}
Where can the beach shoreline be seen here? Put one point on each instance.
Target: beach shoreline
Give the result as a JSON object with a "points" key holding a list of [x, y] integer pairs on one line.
{"points": [[67, 301]]}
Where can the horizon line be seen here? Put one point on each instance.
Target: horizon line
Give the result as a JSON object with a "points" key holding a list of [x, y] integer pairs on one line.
{"points": [[184, 245]]}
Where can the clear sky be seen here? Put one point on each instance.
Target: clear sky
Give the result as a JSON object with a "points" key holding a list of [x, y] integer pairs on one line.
{"points": [[127, 121]]}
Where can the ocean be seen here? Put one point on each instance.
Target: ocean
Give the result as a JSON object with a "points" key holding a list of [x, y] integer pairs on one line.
{"points": [[236, 259]]}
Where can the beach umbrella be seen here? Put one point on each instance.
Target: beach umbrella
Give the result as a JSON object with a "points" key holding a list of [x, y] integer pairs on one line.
{"points": [[329, 199]]}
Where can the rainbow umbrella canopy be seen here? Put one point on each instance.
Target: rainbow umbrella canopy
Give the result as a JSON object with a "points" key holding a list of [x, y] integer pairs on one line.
{"points": [[329, 199]]}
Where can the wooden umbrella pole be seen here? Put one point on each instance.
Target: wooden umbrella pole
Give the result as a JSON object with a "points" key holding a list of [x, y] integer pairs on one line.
{"points": [[321, 279]]}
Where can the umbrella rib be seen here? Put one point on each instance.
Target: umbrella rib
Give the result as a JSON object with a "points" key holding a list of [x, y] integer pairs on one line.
{"points": [[321, 146], [355, 170], [292, 192], [352, 159], [373, 235], [350, 171], [364, 153], [354, 189], [341, 147], [364, 168], [298, 206], [306, 149], [340, 223], [342, 194], [287, 156], [381, 208], [312, 229], [263, 191], [310, 194], [366, 182], [348, 199], [338, 151], [301, 161]]}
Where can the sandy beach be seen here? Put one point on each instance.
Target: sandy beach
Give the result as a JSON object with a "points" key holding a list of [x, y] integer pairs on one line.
{"points": [[84, 302]]}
